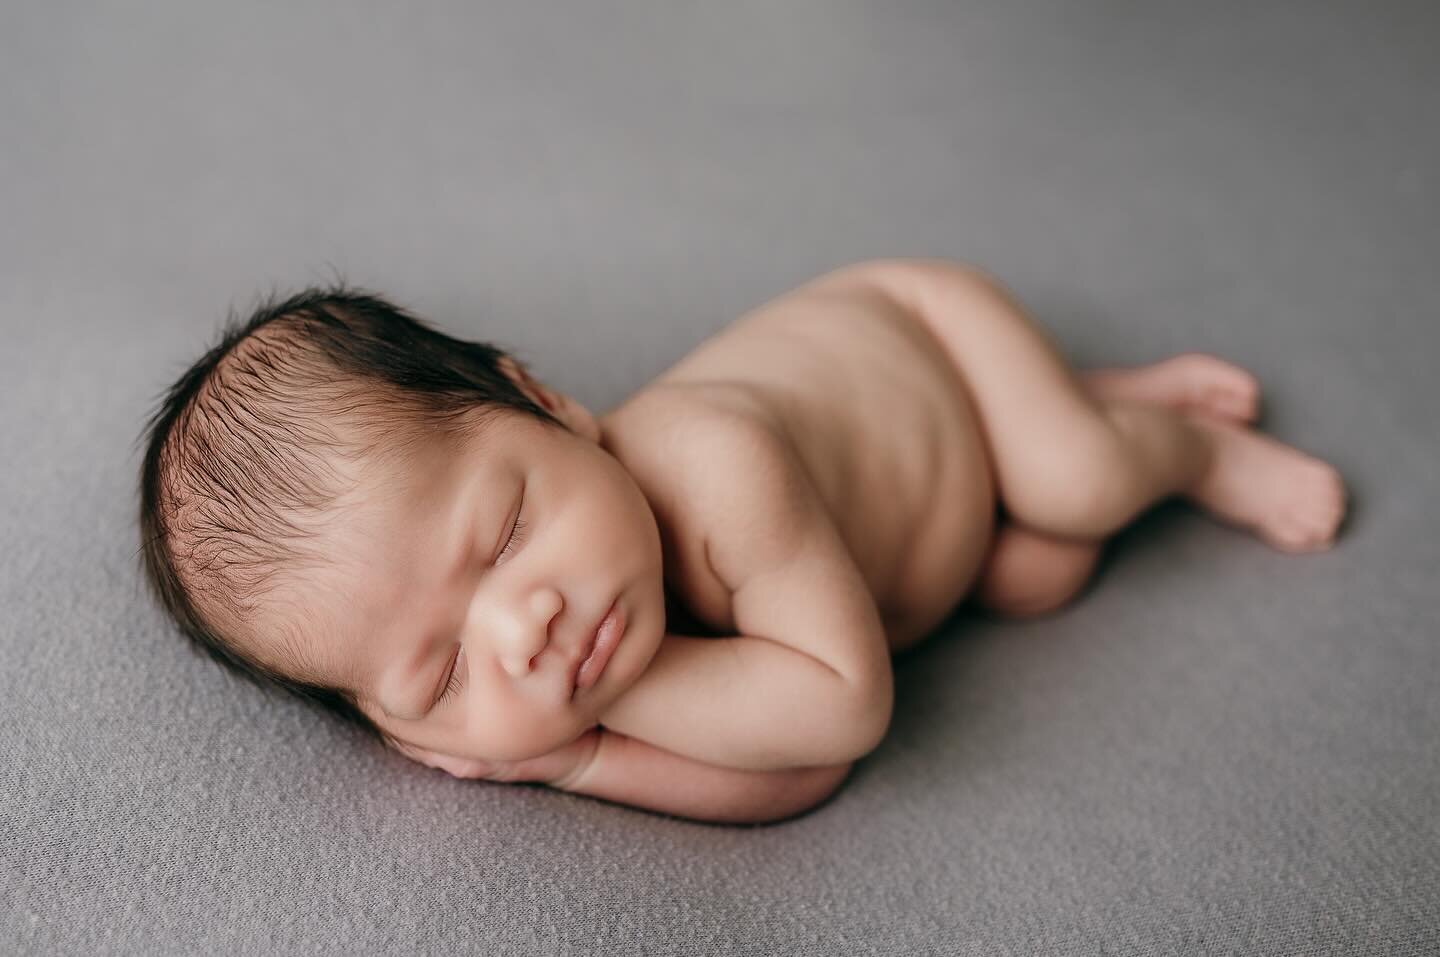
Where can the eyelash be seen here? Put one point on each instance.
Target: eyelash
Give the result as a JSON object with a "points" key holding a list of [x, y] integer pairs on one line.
{"points": [[453, 685], [516, 537]]}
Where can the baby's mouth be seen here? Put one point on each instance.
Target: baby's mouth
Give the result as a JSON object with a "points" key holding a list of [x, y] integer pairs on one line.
{"points": [[600, 650]]}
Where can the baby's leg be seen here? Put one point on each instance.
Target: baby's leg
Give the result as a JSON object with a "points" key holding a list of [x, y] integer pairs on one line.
{"points": [[1076, 466], [1028, 573]]}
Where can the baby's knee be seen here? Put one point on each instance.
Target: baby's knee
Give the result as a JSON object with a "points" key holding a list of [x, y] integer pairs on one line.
{"points": [[1081, 488]]}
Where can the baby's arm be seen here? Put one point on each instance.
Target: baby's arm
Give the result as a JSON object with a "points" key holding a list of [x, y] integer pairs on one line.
{"points": [[629, 771], [625, 770], [807, 681], [748, 703]]}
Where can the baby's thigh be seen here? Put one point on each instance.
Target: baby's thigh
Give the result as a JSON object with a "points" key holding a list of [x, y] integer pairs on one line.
{"points": [[1053, 448]]}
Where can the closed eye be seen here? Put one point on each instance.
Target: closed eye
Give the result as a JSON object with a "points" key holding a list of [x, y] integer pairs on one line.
{"points": [[517, 535], [452, 684]]}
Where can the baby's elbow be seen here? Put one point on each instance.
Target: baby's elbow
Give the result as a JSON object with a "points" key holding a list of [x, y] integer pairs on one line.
{"points": [[873, 732], [871, 719], [848, 726]]}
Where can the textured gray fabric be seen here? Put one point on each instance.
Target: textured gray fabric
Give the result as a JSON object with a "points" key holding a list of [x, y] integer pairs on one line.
{"points": [[1219, 749]]}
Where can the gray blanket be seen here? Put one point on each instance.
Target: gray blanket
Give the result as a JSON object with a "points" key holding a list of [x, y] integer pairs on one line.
{"points": [[1218, 749]]}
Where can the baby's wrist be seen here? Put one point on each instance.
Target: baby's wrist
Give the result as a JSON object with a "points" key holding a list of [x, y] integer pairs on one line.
{"points": [[582, 753]]}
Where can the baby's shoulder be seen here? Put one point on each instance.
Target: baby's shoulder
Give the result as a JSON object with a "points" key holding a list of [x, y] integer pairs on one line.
{"points": [[685, 423], [681, 438], [712, 464]]}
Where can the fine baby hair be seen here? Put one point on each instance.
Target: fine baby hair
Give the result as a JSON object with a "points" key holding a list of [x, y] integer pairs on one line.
{"points": [[261, 442]]}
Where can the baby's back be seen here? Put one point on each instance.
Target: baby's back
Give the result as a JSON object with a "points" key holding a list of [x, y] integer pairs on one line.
{"points": [[878, 420]]}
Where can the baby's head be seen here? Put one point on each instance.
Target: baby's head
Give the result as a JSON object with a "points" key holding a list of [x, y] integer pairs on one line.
{"points": [[345, 503]]}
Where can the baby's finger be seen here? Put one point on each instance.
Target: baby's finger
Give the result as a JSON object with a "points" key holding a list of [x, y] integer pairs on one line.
{"points": [[468, 768]]}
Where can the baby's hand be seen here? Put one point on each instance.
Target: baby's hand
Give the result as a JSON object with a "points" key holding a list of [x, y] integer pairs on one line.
{"points": [[557, 765]]}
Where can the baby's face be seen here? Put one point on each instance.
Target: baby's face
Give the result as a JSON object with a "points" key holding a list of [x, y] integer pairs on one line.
{"points": [[433, 588]]}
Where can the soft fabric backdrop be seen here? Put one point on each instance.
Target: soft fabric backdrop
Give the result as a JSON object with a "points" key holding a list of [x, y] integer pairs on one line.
{"points": [[1220, 749]]}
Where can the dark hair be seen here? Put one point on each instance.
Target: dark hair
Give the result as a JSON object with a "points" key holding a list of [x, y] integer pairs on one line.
{"points": [[239, 474]]}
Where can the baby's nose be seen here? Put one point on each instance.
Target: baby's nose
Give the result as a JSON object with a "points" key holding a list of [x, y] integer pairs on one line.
{"points": [[529, 632]]}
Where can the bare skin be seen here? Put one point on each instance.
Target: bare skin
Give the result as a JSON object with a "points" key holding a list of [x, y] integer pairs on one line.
{"points": [[1010, 415], [1251, 482], [909, 402], [1028, 573]]}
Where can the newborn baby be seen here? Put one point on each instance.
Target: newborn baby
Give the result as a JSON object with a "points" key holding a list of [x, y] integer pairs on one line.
{"points": [[688, 604]]}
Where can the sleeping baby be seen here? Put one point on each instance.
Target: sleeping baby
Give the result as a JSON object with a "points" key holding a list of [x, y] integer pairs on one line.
{"points": [[688, 604]]}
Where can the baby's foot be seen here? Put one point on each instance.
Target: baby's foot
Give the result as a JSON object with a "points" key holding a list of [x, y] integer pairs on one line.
{"points": [[1291, 500], [1190, 382]]}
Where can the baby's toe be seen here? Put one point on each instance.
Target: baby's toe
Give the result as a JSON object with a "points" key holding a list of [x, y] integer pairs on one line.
{"points": [[1219, 387], [1238, 397], [1314, 511]]}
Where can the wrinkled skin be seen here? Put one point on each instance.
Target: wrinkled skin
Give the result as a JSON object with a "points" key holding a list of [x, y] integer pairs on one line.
{"points": [[555, 767]]}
